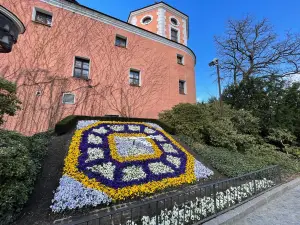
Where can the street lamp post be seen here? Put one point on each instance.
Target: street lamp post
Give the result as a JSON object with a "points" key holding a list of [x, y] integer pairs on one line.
{"points": [[10, 28], [215, 62]]}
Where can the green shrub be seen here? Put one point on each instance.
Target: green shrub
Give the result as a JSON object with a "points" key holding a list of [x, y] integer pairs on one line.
{"points": [[235, 129], [20, 162], [233, 164], [9, 102], [70, 122]]}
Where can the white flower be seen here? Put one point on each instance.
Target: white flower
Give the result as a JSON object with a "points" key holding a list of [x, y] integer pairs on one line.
{"points": [[71, 194], [117, 127], [106, 169], [149, 131], [93, 139], [195, 210], [160, 168], [168, 148], [84, 123], [94, 153], [201, 171], [134, 127], [133, 173], [100, 130], [155, 126], [133, 146], [157, 137], [174, 160]]}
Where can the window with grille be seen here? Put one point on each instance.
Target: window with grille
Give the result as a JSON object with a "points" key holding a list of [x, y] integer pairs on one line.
{"points": [[134, 78], [182, 87], [174, 35], [43, 18], [81, 68], [68, 98], [121, 41]]}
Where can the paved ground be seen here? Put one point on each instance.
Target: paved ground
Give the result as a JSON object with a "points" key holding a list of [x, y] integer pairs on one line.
{"points": [[284, 210]]}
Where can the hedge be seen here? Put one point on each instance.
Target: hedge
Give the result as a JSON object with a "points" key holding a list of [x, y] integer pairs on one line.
{"points": [[69, 122], [20, 163]]}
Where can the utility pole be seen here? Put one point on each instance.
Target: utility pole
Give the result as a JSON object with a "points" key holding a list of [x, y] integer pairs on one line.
{"points": [[215, 63]]}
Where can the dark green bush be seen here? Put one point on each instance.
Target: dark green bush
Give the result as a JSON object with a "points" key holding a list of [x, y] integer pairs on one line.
{"points": [[235, 129], [70, 122], [233, 164], [9, 102], [20, 162]]}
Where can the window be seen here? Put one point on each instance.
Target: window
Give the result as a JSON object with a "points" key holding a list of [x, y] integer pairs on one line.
{"points": [[146, 20], [174, 21], [81, 68], [182, 87], [68, 98], [121, 41], [174, 35], [42, 16], [134, 77], [180, 59]]}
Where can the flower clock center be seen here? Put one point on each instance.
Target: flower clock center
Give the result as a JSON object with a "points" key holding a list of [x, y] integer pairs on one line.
{"points": [[132, 147]]}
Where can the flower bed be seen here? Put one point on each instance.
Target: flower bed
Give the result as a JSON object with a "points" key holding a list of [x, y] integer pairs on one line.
{"points": [[109, 161], [191, 212]]}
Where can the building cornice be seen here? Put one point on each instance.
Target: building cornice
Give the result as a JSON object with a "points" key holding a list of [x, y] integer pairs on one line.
{"points": [[101, 17], [13, 18]]}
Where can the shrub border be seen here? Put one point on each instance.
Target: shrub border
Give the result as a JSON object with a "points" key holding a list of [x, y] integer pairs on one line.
{"points": [[69, 122]]}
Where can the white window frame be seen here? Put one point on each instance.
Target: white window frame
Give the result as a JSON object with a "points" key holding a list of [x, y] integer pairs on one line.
{"points": [[84, 58], [173, 17], [140, 76], [67, 103], [170, 33], [36, 9], [185, 86], [121, 36], [181, 57], [141, 21]]}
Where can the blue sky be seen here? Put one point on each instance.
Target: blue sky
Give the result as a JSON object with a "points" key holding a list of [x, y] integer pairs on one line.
{"points": [[207, 19]]}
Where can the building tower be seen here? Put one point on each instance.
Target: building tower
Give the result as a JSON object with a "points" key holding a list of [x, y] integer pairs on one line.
{"points": [[162, 19]]}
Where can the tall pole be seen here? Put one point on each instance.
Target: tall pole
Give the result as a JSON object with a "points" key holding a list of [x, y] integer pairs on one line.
{"points": [[220, 91]]}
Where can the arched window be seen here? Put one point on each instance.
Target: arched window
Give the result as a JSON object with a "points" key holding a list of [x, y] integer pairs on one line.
{"points": [[174, 21]]}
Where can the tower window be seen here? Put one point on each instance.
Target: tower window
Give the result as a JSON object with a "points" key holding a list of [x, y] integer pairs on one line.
{"points": [[42, 16], [180, 59], [182, 88], [134, 77], [121, 41], [174, 35], [174, 21], [146, 20], [81, 68]]}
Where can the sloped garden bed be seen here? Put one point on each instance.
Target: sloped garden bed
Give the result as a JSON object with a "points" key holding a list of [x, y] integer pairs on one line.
{"points": [[110, 161]]}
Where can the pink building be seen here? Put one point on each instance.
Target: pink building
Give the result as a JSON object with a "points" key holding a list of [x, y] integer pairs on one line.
{"points": [[75, 60]]}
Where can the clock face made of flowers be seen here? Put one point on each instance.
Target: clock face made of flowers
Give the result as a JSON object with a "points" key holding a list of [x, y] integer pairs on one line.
{"points": [[118, 160]]}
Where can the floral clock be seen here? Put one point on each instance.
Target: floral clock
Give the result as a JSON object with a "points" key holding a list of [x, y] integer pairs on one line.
{"points": [[109, 161]]}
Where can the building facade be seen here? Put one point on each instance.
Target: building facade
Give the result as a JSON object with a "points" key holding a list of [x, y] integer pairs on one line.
{"points": [[75, 60]]}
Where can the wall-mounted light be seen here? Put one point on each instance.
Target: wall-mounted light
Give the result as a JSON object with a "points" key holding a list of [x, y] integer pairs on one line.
{"points": [[10, 28]]}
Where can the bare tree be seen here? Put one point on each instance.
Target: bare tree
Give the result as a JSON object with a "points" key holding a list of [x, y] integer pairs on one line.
{"points": [[252, 48], [43, 61]]}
